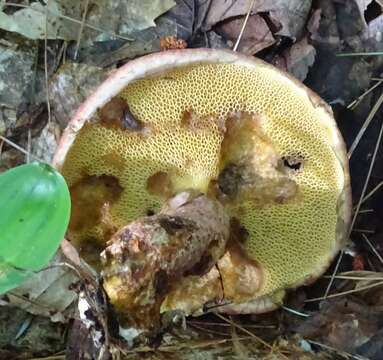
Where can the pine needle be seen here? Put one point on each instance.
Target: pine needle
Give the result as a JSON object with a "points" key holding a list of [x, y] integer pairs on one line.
{"points": [[364, 127]]}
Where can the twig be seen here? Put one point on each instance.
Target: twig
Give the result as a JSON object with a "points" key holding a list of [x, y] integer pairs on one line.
{"points": [[17, 147], [326, 294], [373, 248], [29, 146], [295, 312], [372, 192], [264, 343], [81, 28], [366, 211], [211, 323], [46, 63], [341, 353], [346, 292], [357, 278], [365, 231], [371, 53], [367, 177], [354, 103], [244, 25], [369, 118]]}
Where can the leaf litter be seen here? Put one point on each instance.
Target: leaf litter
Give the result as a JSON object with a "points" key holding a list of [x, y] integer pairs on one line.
{"points": [[301, 37]]}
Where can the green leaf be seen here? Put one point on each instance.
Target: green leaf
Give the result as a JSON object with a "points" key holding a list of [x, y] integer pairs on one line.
{"points": [[34, 215]]}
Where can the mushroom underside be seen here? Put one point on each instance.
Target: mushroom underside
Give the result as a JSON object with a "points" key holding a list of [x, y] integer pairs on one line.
{"points": [[246, 137]]}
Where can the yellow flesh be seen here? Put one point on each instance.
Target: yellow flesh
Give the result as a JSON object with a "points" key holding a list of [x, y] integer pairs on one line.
{"points": [[291, 241]]}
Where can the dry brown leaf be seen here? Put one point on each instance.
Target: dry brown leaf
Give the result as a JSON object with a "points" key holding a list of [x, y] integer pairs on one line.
{"points": [[289, 15], [342, 324], [46, 293], [323, 26], [299, 58], [256, 36]]}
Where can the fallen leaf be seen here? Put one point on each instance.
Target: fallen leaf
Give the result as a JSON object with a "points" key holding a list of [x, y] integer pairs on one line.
{"points": [[350, 20], [362, 6], [255, 38], [323, 26], [16, 72], [210, 39], [373, 35], [64, 17], [299, 58], [70, 86], [47, 293], [343, 324], [55, 26], [211, 12], [45, 144], [22, 333], [290, 15], [178, 21]]}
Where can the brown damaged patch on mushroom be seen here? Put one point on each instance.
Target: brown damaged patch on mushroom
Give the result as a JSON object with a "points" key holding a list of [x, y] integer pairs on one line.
{"points": [[160, 184], [91, 199], [192, 121], [114, 159], [242, 277], [250, 167], [116, 114]]}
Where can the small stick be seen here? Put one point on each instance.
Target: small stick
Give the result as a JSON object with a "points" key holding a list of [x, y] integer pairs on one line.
{"points": [[373, 248], [364, 127], [243, 25], [17, 147], [81, 28]]}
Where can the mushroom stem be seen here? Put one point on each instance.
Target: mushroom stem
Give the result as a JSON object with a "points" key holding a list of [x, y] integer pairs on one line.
{"points": [[146, 258]]}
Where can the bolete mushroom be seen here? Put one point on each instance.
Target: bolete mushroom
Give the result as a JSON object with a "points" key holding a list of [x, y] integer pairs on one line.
{"points": [[232, 132]]}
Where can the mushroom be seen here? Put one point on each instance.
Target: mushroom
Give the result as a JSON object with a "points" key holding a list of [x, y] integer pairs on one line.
{"points": [[227, 132]]}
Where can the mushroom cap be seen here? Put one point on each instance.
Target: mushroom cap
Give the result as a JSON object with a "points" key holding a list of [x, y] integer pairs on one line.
{"points": [[294, 241]]}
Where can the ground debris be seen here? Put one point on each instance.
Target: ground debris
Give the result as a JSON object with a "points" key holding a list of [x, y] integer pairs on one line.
{"points": [[346, 325], [70, 86], [61, 19]]}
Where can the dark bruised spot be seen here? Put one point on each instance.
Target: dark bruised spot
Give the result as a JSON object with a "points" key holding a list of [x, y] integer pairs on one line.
{"points": [[129, 122], [230, 179], [292, 163], [187, 119], [161, 283], [238, 232], [114, 159], [90, 249], [159, 184], [171, 224], [116, 114], [21, 220], [89, 195], [202, 266], [150, 212]]}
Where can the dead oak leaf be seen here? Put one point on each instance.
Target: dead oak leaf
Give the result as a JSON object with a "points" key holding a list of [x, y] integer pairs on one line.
{"points": [[289, 16], [255, 38]]}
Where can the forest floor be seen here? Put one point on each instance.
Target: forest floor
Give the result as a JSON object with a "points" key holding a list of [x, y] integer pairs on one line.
{"points": [[53, 56]]}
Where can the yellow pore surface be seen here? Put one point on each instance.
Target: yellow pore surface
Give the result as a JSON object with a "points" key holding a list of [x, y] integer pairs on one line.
{"points": [[292, 240]]}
